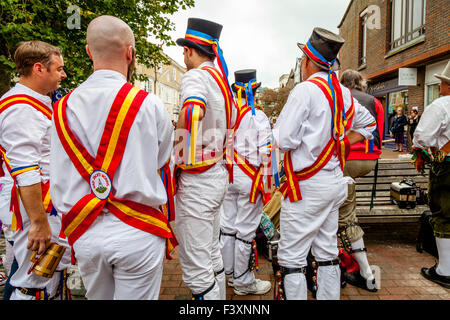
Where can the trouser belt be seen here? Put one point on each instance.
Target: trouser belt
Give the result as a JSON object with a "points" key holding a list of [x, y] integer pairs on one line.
{"points": [[36, 293], [284, 271], [333, 262]]}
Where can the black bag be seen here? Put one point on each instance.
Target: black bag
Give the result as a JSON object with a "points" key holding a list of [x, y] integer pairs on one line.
{"points": [[426, 240]]}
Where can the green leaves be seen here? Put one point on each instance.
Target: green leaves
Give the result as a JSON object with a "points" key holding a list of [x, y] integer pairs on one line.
{"points": [[48, 21]]}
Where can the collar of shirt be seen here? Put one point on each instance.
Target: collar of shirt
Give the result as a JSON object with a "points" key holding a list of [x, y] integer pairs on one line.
{"points": [[103, 77], [41, 97], [206, 64], [322, 74]]}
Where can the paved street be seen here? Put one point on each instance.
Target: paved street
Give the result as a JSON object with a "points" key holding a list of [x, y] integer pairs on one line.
{"points": [[390, 247]]}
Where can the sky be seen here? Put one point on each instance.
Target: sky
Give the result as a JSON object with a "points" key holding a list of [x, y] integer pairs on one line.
{"points": [[260, 34]]}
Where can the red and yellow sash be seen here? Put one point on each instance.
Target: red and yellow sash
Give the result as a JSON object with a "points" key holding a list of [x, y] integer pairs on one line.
{"points": [[255, 174], [191, 124], [291, 187], [109, 155], [6, 103]]}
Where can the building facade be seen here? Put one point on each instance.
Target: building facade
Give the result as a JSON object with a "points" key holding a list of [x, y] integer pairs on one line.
{"points": [[164, 81], [398, 45]]}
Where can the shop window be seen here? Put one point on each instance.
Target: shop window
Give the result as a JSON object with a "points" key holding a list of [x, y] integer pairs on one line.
{"points": [[407, 21], [397, 100], [433, 92]]}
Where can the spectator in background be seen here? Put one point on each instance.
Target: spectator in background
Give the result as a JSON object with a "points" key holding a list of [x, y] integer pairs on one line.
{"points": [[413, 121], [361, 160], [398, 129]]}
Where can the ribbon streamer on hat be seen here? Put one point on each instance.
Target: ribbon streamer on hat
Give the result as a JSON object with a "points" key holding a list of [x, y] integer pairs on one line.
{"points": [[338, 117], [248, 87], [207, 40]]}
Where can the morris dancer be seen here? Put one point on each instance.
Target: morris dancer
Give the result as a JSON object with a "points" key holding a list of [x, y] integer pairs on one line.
{"points": [[315, 128], [433, 132], [25, 121], [110, 147], [243, 202], [205, 116]]}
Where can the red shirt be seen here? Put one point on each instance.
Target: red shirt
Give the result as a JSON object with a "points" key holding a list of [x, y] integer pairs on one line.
{"points": [[358, 150]]}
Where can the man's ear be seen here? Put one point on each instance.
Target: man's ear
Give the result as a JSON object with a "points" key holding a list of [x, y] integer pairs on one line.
{"points": [[88, 52], [130, 53]]}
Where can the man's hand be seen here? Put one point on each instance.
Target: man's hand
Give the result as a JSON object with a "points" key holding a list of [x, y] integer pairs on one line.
{"points": [[354, 137], [39, 236], [40, 233]]}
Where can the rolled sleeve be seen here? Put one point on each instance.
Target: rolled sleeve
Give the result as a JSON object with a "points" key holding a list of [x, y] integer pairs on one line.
{"points": [[22, 129], [193, 86]]}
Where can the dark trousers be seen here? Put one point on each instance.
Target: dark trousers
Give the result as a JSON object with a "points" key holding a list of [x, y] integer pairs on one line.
{"points": [[439, 198]]}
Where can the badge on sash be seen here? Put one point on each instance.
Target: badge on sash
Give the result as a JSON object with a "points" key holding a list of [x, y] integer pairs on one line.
{"points": [[100, 184]]}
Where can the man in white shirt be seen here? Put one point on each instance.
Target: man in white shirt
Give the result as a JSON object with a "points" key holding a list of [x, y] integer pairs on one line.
{"points": [[110, 141], [205, 116], [243, 202], [314, 159], [433, 133], [25, 121]]}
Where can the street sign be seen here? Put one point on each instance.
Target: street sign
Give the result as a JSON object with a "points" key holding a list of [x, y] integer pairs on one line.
{"points": [[407, 76]]}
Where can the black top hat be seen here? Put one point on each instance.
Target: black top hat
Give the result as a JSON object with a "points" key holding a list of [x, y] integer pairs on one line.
{"points": [[199, 30], [326, 43], [244, 76]]}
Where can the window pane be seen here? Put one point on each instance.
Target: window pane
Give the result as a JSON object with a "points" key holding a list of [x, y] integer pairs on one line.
{"points": [[416, 14], [396, 19]]}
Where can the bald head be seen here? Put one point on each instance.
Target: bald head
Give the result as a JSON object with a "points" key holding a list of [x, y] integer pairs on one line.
{"points": [[108, 37]]}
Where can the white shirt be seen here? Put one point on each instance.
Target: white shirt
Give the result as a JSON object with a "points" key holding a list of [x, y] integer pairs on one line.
{"points": [[304, 124], [252, 136], [149, 144], [25, 135], [433, 129], [213, 127]]}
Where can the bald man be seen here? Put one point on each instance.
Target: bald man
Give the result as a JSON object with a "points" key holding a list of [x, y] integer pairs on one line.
{"points": [[109, 143]]}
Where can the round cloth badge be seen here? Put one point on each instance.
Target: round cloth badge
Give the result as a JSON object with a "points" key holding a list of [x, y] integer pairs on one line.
{"points": [[100, 184]]}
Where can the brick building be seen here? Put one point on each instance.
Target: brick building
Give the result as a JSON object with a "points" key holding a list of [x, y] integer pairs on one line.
{"points": [[164, 81], [383, 36]]}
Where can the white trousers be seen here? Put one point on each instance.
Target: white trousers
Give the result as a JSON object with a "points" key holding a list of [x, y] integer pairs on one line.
{"points": [[312, 223], [119, 262], [241, 218], [20, 278], [197, 204]]}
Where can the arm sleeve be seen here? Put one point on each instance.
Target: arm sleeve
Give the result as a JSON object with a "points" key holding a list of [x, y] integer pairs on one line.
{"points": [[429, 128], [362, 121], [22, 130], [165, 132], [264, 133], [289, 129]]}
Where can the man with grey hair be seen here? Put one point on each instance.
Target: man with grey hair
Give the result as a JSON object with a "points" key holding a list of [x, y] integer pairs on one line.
{"points": [[107, 182], [361, 160], [433, 133]]}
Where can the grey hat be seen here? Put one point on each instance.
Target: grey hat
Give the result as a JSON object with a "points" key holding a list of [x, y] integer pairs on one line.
{"points": [[445, 76]]}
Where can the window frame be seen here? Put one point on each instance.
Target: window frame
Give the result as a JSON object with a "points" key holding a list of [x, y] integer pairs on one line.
{"points": [[406, 22]]}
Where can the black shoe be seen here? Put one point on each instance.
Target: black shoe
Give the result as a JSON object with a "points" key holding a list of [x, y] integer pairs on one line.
{"points": [[356, 279], [430, 274]]}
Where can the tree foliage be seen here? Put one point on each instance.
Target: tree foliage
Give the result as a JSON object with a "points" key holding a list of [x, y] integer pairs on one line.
{"points": [[50, 21], [273, 100]]}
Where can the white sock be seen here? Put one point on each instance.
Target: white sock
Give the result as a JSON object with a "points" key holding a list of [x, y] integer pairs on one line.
{"points": [[443, 246], [361, 258]]}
